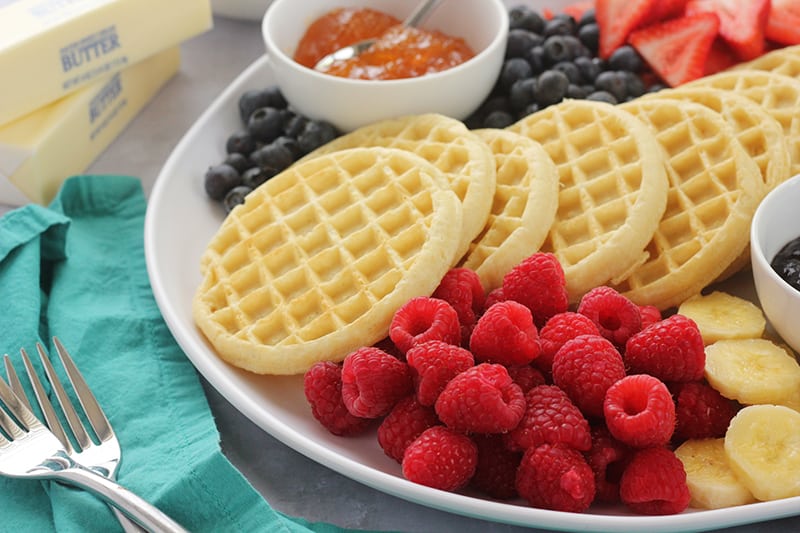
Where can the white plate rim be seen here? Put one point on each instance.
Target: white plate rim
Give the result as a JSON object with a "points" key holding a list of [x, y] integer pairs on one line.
{"points": [[231, 384]]}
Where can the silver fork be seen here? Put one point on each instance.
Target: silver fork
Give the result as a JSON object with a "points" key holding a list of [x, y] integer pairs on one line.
{"points": [[29, 449], [104, 457]]}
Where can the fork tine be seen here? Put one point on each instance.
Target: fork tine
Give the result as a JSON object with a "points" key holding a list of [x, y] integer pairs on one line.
{"points": [[75, 424], [14, 382], [91, 407], [50, 416], [14, 405]]}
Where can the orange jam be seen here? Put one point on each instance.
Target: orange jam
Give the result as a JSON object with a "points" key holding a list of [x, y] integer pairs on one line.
{"points": [[400, 52]]}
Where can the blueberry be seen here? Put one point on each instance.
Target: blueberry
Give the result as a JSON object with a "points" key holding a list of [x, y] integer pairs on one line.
{"points": [[220, 179], [577, 91], [531, 109], [498, 119], [522, 94], [315, 134], [612, 82], [520, 41], [265, 124], [560, 24], [626, 58], [551, 87], [557, 49], [654, 88], [588, 67], [291, 144], [525, 18], [254, 99], [273, 156], [588, 17], [602, 96], [634, 86], [255, 176], [589, 35], [235, 197], [514, 69], [571, 70], [535, 58], [495, 103], [238, 161], [241, 142], [294, 126]]}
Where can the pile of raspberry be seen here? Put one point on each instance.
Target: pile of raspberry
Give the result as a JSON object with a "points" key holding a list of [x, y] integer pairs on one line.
{"points": [[517, 394]]}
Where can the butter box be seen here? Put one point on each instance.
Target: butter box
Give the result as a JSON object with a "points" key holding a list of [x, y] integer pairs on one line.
{"points": [[49, 48], [40, 150]]}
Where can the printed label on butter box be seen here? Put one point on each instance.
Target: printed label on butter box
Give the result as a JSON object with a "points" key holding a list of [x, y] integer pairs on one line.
{"points": [[106, 104]]}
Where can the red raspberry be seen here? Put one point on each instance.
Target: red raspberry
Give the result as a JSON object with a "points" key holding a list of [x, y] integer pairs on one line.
{"points": [[650, 315], [702, 412], [526, 377], [616, 316], [461, 288], [388, 346], [496, 472], [654, 483], [433, 364], [550, 418], [322, 385], [482, 399], [608, 458], [557, 331], [505, 334], [404, 423], [671, 350], [494, 297], [373, 381], [538, 283], [639, 411], [553, 476], [585, 368], [424, 319], [440, 458]]}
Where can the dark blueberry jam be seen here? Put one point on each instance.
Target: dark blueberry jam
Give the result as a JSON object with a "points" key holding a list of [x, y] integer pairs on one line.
{"points": [[787, 263]]}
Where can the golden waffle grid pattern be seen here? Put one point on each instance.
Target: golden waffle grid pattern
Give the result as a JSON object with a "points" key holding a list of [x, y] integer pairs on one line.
{"points": [[524, 207], [715, 187], [303, 258], [465, 160], [779, 95], [612, 188], [784, 61]]}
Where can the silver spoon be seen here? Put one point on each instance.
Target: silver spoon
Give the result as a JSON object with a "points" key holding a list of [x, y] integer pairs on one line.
{"points": [[416, 17]]}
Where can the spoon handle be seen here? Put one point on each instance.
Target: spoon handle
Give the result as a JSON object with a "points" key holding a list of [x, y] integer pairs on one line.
{"points": [[420, 12]]}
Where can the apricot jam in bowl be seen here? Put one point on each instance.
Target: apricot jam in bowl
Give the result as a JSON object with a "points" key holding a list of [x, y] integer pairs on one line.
{"points": [[448, 66], [776, 223]]}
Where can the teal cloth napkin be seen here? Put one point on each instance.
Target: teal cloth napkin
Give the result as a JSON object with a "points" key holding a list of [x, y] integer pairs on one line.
{"points": [[76, 270]]}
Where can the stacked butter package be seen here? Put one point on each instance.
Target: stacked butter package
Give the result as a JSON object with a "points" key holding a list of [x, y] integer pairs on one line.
{"points": [[73, 74]]}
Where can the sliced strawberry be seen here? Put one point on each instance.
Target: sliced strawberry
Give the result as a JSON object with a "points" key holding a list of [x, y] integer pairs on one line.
{"points": [[616, 19], [677, 50], [741, 24], [783, 23], [720, 57], [666, 9]]}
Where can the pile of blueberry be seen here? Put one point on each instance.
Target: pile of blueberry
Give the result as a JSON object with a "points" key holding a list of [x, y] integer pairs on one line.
{"points": [[272, 137], [549, 60]]}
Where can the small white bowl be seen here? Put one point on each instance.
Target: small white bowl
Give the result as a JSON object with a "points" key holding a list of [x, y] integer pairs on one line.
{"points": [[775, 223], [349, 103]]}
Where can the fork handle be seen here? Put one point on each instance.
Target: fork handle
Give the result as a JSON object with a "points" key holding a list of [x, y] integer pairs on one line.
{"points": [[133, 506]]}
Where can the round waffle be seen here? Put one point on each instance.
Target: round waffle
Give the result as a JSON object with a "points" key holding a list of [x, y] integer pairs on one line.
{"points": [[525, 202], [613, 189], [784, 61], [447, 143], [777, 94], [759, 133], [318, 259], [715, 187]]}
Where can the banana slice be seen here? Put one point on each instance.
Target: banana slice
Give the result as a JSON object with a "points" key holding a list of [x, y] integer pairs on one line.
{"points": [[752, 371], [711, 481], [763, 448], [720, 315]]}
